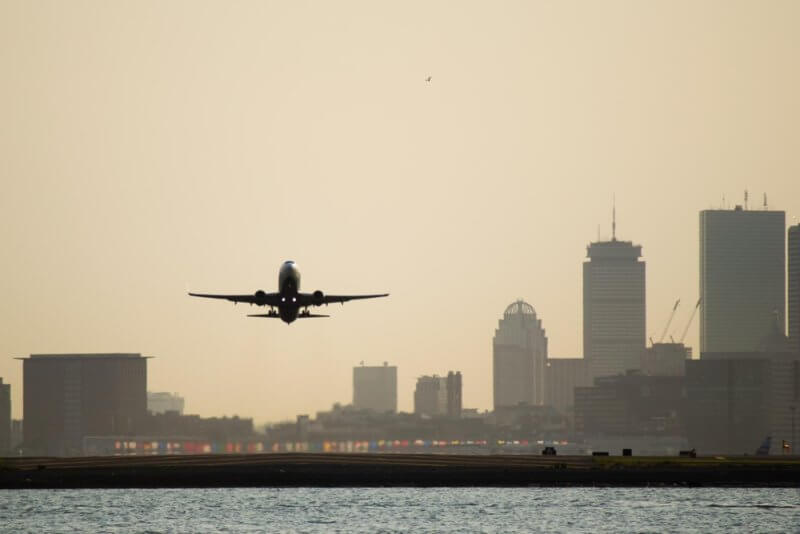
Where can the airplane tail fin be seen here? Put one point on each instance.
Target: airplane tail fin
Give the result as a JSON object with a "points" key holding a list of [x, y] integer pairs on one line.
{"points": [[763, 450]]}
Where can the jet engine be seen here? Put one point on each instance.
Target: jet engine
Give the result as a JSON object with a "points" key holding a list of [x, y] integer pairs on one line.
{"points": [[318, 296], [261, 297]]}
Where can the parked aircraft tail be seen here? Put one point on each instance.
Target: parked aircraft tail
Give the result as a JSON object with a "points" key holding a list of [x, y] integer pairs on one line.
{"points": [[763, 450]]}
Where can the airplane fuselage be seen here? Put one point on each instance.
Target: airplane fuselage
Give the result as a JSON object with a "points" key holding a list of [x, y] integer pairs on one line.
{"points": [[288, 287]]}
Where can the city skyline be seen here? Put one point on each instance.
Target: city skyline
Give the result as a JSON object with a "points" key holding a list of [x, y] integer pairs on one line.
{"points": [[199, 149], [541, 377]]}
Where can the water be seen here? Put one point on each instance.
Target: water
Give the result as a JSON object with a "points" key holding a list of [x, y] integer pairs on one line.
{"points": [[401, 510]]}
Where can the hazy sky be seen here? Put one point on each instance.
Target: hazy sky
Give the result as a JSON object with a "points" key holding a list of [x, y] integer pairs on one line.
{"points": [[147, 148]]}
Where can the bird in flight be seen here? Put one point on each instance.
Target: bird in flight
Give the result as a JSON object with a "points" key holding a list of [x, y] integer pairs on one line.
{"points": [[428, 80], [290, 303]]}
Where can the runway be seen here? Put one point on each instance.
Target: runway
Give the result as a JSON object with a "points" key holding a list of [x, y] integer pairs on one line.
{"points": [[371, 470]]}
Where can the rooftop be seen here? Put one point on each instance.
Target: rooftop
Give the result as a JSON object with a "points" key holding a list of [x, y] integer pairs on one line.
{"points": [[87, 356], [614, 249], [519, 307]]}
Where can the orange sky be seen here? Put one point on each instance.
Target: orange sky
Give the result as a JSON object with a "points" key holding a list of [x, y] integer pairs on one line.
{"points": [[148, 148]]}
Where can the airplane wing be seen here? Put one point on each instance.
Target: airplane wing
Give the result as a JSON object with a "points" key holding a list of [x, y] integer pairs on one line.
{"points": [[276, 316], [317, 299], [259, 297]]}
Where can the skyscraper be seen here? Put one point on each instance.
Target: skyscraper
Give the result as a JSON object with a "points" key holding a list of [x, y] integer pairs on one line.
{"points": [[520, 355], [375, 388], [742, 269], [794, 287], [69, 396], [614, 310]]}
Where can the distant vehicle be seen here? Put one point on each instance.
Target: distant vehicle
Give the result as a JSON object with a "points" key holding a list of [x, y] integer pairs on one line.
{"points": [[763, 450], [290, 303]]}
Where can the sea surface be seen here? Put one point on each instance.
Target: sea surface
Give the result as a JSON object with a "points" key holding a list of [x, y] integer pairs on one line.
{"points": [[402, 510]]}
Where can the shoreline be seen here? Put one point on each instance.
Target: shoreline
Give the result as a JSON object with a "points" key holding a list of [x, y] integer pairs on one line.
{"points": [[399, 470]]}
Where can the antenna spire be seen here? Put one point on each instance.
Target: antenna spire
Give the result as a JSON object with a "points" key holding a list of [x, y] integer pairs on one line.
{"points": [[614, 219]]}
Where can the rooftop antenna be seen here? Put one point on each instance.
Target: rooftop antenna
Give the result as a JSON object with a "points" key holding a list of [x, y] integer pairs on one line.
{"points": [[745, 199], [765, 201], [614, 219]]}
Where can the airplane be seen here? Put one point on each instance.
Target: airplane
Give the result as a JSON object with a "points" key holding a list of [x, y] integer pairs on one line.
{"points": [[288, 300]]}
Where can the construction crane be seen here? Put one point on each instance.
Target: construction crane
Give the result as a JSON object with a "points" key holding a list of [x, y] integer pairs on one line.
{"points": [[691, 318], [671, 317]]}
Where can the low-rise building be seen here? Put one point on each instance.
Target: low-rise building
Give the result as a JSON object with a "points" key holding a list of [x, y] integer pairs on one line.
{"points": [[631, 404], [665, 359], [162, 402], [737, 399], [562, 376], [218, 429], [526, 421]]}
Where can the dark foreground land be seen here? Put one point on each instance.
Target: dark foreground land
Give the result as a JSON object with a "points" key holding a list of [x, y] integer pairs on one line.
{"points": [[321, 470]]}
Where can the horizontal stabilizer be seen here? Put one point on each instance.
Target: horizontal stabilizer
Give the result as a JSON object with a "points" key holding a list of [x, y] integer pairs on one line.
{"points": [[299, 316]]}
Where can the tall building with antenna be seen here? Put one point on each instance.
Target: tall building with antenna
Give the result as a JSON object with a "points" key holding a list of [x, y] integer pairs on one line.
{"points": [[614, 311], [742, 285]]}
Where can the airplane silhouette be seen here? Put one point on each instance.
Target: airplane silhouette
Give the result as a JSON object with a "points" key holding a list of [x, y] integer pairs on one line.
{"points": [[290, 303]]}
